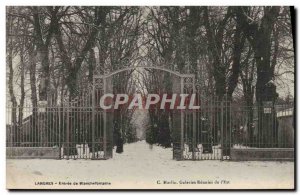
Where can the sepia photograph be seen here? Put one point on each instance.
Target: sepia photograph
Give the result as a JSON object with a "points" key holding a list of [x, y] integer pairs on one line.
{"points": [[150, 97]]}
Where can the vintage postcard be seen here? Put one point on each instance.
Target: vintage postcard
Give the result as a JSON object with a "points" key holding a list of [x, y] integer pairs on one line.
{"points": [[150, 97]]}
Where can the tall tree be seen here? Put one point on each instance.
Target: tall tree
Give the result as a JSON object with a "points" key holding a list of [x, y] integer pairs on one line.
{"points": [[43, 36], [259, 33]]}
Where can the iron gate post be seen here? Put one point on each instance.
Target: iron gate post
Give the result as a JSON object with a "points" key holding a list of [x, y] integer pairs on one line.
{"points": [[181, 122], [222, 130], [230, 128], [105, 120], [177, 121], [194, 123], [93, 121], [109, 119], [68, 132], [60, 112]]}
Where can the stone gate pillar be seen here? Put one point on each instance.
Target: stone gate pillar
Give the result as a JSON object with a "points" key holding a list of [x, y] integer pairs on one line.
{"points": [[102, 135], [108, 122], [177, 121]]}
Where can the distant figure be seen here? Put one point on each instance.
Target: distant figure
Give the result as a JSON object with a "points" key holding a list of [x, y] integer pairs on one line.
{"points": [[150, 146], [119, 145], [234, 131]]}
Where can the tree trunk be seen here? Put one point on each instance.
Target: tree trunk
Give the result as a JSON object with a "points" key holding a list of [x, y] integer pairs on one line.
{"points": [[21, 106], [13, 138], [265, 91], [42, 51], [239, 40], [34, 100]]}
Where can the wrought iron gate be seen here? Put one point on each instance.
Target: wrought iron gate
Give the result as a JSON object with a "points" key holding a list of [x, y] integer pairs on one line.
{"points": [[202, 134]]}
